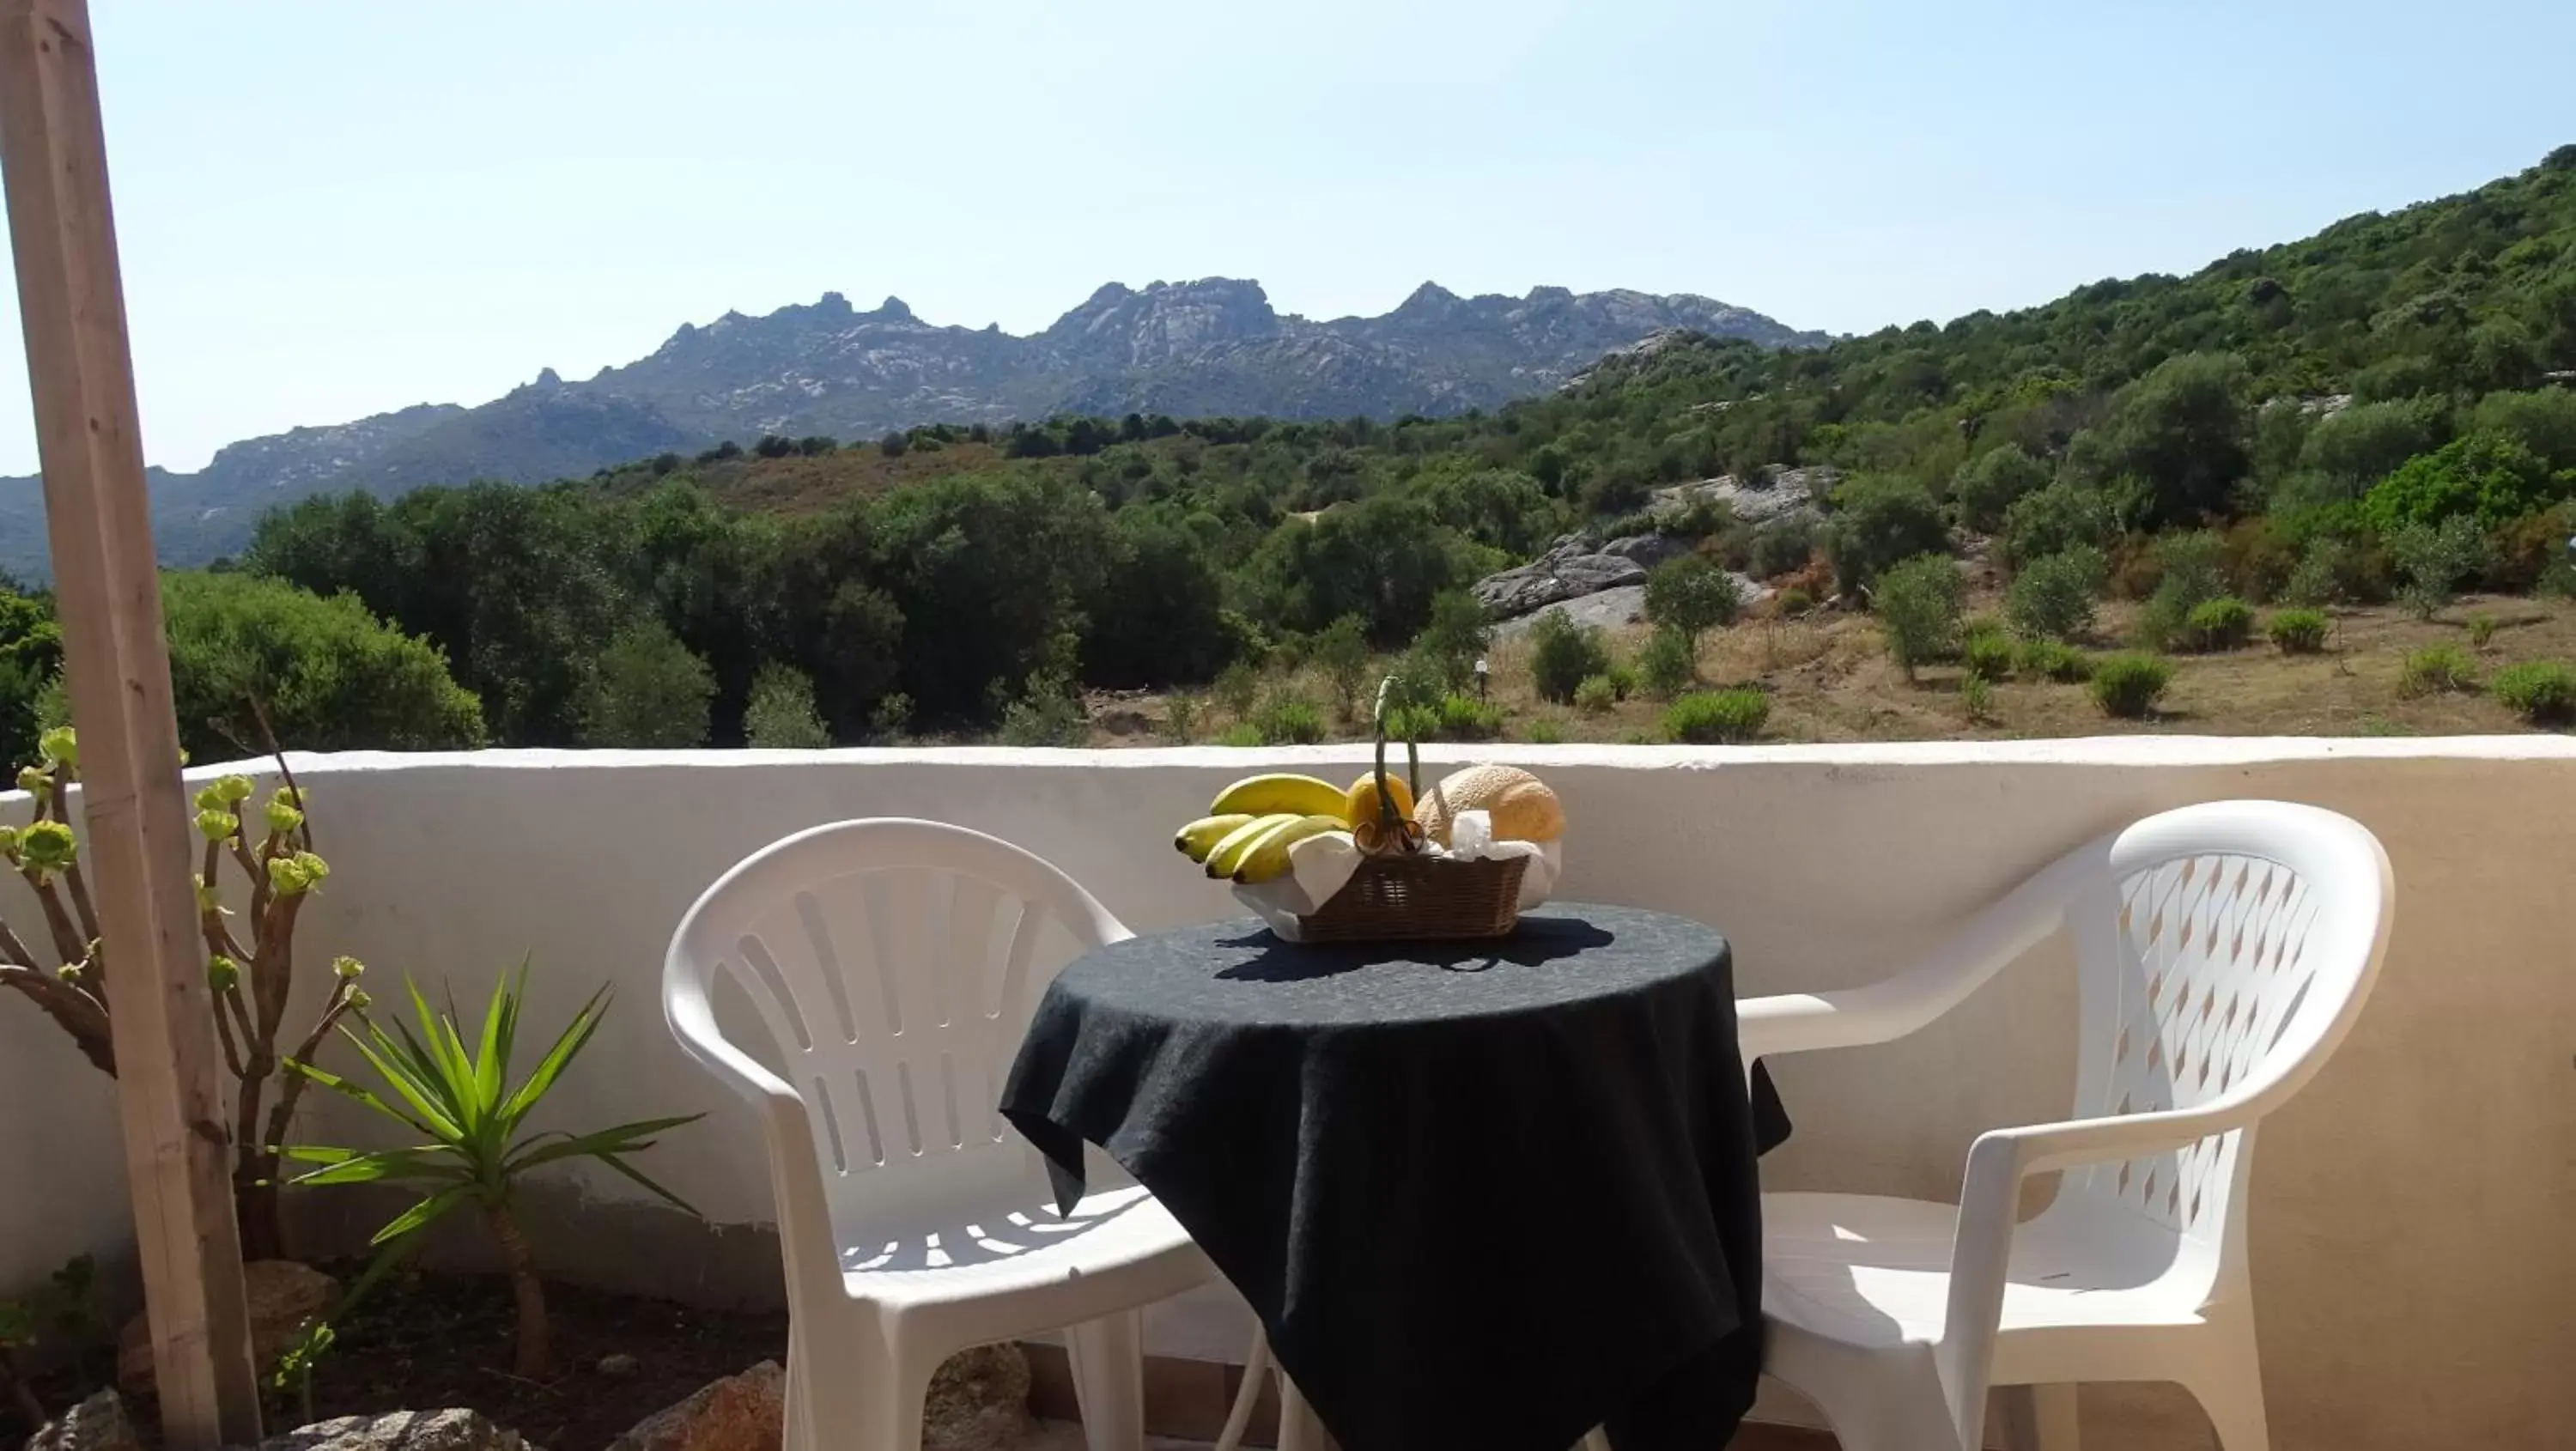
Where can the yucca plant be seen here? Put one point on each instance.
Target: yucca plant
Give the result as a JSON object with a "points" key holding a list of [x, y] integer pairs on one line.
{"points": [[459, 1102]]}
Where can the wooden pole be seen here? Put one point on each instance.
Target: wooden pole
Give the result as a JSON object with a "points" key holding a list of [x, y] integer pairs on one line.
{"points": [[116, 661]]}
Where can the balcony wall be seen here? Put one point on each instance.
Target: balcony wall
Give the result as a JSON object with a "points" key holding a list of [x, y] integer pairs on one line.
{"points": [[2411, 1211]]}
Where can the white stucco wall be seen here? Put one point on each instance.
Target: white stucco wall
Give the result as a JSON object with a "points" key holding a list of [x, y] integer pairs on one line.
{"points": [[2412, 1210]]}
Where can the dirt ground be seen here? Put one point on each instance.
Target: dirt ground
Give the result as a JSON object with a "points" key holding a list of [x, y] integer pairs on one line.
{"points": [[1830, 680]]}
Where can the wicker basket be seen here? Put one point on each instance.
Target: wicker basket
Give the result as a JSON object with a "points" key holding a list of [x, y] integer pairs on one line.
{"points": [[1421, 898]]}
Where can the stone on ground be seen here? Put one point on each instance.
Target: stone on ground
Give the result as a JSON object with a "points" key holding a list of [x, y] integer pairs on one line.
{"points": [[743, 1412], [454, 1429], [978, 1401], [96, 1424]]}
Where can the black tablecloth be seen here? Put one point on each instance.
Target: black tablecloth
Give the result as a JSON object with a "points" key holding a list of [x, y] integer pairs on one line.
{"points": [[1484, 1195]]}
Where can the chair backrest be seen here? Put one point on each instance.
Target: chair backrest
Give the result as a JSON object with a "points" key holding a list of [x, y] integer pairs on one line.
{"points": [[896, 963], [2224, 949]]}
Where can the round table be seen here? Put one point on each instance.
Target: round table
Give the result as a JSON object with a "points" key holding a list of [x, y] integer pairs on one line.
{"points": [[1487, 1194]]}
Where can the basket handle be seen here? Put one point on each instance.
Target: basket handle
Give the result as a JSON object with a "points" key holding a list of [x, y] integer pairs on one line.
{"points": [[1406, 835]]}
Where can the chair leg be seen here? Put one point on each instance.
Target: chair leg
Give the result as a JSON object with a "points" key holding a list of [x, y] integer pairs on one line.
{"points": [[2235, 1406], [2042, 1417], [1109, 1380], [1596, 1439]]}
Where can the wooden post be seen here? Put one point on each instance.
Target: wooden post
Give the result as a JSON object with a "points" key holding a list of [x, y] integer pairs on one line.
{"points": [[116, 661]]}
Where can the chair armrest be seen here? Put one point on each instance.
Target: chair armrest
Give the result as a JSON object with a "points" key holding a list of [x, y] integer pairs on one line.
{"points": [[795, 1171], [1990, 1212], [1890, 1009]]}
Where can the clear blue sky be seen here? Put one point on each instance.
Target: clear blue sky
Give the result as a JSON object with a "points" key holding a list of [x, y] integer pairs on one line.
{"points": [[333, 209]]}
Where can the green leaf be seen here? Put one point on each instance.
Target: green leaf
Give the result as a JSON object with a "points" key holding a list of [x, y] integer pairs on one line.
{"points": [[557, 1059], [346, 1089], [344, 1167], [423, 1214], [619, 1140], [631, 1172], [438, 1124]]}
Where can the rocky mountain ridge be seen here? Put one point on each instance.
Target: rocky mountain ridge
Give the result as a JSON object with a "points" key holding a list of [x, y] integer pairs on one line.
{"points": [[1212, 346]]}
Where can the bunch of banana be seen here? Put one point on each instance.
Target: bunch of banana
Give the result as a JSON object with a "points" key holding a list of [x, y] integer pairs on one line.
{"points": [[1251, 825]]}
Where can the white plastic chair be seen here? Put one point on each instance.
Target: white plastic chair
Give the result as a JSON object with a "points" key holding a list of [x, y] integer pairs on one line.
{"points": [[894, 962], [2224, 951]]}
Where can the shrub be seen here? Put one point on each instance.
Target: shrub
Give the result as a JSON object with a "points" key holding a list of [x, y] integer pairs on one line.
{"points": [[1782, 546], [2490, 477], [1790, 603], [2224, 623], [1917, 604], [2543, 691], [1718, 717], [1879, 522], [1237, 685], [1454, 641], [1988, 654], [1977, 698], [780, 714], [2434, 559], [1623, 679], [2299, 632], [1048, 713], [2437, 670], [1987, 485], [2482, 628], [2055, 660], [459, 1097], [1545, 733], [329, 675], [1340, 650], [1596, 695], [1289, 719], [1181, 719], [2129, 685], [2055, 519], [646, 691], [2052, 598], [1692, 595], [1667, 664], [2337, 570], [1563, 654], [1465, 718], [1241, 733]]}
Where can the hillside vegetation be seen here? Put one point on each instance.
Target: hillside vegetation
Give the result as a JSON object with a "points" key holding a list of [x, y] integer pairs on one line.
{"points": [[2376, 416]]}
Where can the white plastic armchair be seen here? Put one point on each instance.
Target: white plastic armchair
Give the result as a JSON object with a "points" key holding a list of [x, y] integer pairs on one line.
{"points": [[895, 964], [2223, 952]]}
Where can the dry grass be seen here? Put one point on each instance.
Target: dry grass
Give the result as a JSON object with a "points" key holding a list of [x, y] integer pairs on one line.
{"points": [[1830, 680]]}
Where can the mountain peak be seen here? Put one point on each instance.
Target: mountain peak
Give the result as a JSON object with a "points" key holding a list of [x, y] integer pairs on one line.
{"points": [[894, 309]]}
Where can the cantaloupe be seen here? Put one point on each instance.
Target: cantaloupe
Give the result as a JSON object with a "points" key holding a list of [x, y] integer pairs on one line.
{"points": [[1521, 805]]}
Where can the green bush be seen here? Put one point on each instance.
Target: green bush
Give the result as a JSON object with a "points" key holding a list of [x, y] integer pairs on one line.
{"points": [[2437, 670], [2055, 519], [1465, 718], [1718, 717], [1792, 602], [1692, 595], [2128, 685], [1667, 664], [2224, 623], [1563, 654], [1596, 695], [2543, 691], [2055, 660], [1782, 546], [2435, 559], [1241, 733], [2490, 477], [1623, 679], [1181, 715], [1289, 719], [1918, 604], [1877, 523], [1545, 733], [646, 692], [329, 674], [780, 714], [2053, 597], [2482, 629], [1992, 482], [1237, 686], [2299, 632], [1048, 713], [1988, 654], [1977, 698]]}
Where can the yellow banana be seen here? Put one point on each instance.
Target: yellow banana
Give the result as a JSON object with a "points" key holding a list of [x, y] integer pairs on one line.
{"points": [[1279, 792], [1269, 856], [1200, 837], [1228, 854]]}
